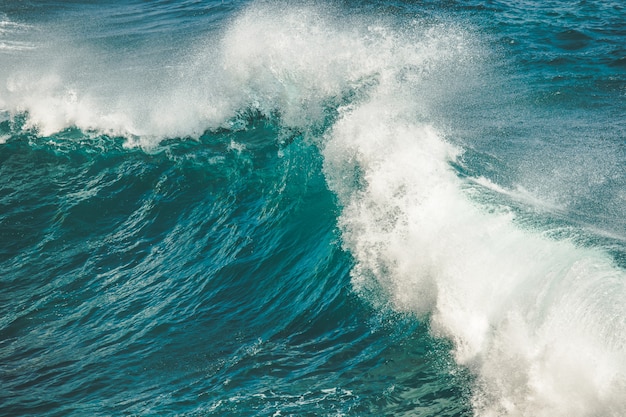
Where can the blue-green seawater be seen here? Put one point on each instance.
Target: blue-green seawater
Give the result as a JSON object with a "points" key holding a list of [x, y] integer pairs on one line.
{"points": [[275, 208]]}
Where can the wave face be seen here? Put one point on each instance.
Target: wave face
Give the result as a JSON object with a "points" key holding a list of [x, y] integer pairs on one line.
{"points": [[271, 208]]}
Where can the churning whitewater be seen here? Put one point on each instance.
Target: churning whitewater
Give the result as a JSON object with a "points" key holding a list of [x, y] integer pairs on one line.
{"points": [[325, 209]]}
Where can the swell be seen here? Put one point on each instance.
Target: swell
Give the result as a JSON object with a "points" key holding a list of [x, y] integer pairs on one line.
{"points": [[151, 265], [203, 277]]}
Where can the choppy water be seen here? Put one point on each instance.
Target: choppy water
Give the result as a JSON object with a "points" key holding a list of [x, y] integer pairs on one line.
{"points": [[274, 208]]}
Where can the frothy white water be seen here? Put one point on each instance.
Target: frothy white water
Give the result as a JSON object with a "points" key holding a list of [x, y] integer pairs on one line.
{"points": [[285, 60], [542, 323]]}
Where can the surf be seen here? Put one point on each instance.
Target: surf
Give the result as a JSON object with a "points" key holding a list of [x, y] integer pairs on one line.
{"points": [[537, 319]]}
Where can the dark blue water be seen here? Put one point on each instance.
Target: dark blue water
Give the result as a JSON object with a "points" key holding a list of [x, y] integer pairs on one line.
{"points": [[345, 209]]}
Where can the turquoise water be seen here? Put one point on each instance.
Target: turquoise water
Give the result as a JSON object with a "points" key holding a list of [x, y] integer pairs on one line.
{"points": [[278, 208]]}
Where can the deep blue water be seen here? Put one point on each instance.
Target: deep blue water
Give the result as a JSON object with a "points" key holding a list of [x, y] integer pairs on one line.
{"points": [[276, 208]]}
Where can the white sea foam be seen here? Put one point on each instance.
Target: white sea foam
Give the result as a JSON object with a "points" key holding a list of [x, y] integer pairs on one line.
{"points": [[541, 322], [276, 60]]}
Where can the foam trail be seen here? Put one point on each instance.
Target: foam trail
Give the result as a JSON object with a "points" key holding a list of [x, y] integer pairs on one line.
{"points": [[11, 36]]}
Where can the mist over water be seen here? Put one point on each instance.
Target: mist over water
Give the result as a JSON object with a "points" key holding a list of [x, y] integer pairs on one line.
{"points": [[269, 208]]}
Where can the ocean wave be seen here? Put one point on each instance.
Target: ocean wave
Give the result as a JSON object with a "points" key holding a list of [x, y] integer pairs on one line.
{"points": [[539, 321]]}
